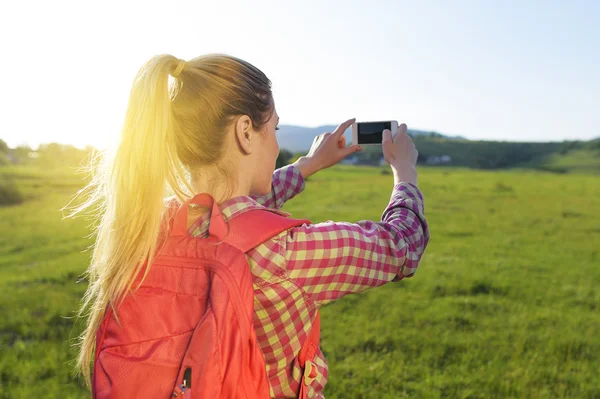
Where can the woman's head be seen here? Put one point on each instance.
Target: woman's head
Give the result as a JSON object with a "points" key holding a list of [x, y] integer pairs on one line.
{"points": [[223, 125], [211, 128]]}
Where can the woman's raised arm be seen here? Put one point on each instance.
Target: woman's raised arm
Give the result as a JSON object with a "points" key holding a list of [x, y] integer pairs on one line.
{"points": [[332, 259]]}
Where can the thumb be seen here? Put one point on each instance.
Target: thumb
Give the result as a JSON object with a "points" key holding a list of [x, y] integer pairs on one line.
{"points": [[351, 149]]}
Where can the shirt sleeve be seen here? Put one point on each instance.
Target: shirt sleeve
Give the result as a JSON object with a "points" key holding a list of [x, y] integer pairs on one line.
{"points": [[332, 259], [287, 183]]}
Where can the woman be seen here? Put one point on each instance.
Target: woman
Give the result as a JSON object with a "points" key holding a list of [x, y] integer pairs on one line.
{"points": [[208, 125]]}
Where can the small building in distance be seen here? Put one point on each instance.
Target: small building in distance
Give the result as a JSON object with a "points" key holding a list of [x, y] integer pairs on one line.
{"points": [[438, 159]]}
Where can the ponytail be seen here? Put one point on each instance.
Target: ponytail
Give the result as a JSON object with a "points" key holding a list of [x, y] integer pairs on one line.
{"points": [[131, 189], [174, 131]]}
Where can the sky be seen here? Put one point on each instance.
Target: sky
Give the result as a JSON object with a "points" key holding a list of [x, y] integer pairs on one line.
{"points": [[485, 70]]}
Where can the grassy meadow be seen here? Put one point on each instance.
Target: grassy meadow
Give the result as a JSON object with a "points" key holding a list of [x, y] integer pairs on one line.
{"points": [[505, 304]]}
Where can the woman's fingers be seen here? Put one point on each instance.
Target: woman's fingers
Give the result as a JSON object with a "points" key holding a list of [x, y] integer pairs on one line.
{"points": [[402, 129], [342, 141], [387, 136], [342, 127]]}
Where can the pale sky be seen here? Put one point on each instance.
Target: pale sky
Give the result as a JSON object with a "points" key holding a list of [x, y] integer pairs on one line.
{"points": [[491, 70]]}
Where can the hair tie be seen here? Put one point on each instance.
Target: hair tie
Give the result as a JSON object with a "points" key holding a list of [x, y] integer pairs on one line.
{"points": [[179, 68]]}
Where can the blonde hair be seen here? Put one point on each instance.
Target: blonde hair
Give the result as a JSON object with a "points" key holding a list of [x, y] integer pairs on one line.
{"points": [[174, 129]]}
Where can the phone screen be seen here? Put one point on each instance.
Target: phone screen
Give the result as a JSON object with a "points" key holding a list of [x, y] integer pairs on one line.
{"points": [[371, 132]]}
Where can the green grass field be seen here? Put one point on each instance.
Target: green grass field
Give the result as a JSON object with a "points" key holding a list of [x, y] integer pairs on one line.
{"points": [[505, 304], [577, 161]]}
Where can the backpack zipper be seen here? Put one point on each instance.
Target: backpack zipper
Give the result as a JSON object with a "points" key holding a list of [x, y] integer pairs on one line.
{"points": [[185, 383], [187, 377]]}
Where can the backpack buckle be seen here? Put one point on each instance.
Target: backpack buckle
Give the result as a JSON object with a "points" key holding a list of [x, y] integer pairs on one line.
{"points": [[310, 372]]}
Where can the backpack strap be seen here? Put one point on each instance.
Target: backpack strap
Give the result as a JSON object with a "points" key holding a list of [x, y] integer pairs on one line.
{"points": [[306, 356], [217, 227], [253, 227], [265, 224]]}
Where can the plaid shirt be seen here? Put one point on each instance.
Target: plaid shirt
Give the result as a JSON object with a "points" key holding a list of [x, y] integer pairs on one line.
{"points": [[305, 267]]}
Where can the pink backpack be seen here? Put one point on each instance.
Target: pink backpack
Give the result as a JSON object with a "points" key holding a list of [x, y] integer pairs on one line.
{"points": [[187, 332]]}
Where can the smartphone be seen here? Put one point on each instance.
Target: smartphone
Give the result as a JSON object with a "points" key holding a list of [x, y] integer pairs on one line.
{"points": [[371, 133]]}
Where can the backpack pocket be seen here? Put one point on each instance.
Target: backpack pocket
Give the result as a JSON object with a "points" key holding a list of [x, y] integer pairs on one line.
{"points": [[199, 376], [140, 370]]}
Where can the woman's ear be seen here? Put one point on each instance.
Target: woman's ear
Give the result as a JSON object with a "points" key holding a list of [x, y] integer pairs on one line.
{"points": [[243, 133]]}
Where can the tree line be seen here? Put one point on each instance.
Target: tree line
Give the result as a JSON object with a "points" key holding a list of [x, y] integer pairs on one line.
{"points": [[468, 153]]}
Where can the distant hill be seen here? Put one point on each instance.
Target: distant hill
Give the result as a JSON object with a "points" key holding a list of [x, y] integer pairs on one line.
{"points": [[300, 138], [584, 158], [443, 150], [556, 156]]}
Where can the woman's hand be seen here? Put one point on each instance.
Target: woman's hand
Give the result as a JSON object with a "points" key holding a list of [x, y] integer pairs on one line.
{"points": [[327, 150], [400, 152]]}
